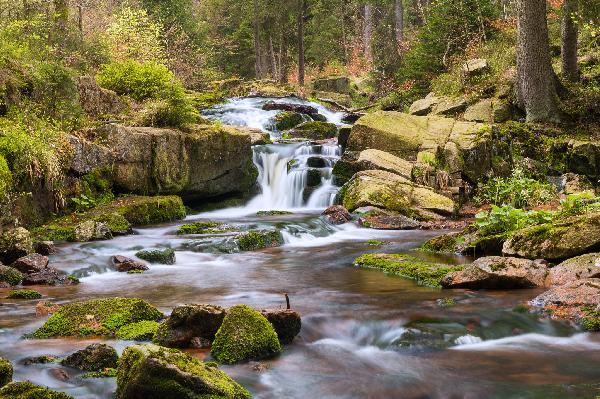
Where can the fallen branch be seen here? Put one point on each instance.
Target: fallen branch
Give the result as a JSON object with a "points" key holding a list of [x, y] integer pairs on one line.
{"points": [[343, 107]]}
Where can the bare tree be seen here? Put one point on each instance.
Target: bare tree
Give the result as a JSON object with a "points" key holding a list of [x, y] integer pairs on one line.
{"points": [[301, 58], [368, 32], [569, 34]]}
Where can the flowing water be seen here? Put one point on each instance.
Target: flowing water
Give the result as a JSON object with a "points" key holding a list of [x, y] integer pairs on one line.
{"points": [[364, 334]]}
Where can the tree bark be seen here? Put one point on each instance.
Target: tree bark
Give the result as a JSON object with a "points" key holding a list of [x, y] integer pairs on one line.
{"points": [[274, 73], [301, 60], [258, 65], [399, 19], [569, 34], [535, 76], [368, 32]]}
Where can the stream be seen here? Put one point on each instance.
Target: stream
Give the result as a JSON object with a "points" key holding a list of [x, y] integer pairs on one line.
{"points": [[364, 334]]}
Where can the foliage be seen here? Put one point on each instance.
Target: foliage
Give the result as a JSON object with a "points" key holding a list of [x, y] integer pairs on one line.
{"points": [[24, 294], [506, 219], [83, 203], [576, 204], [518, 191], [139, 80], [5, 178]]}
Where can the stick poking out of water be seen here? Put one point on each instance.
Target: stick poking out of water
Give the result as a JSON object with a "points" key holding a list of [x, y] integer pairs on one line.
{"points": [[287, 301]]}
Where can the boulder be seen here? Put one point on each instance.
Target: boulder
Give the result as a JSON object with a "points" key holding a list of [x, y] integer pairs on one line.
{"points": [[6, 372], [572, 183], [392, 192], [475, 67], [480, 112], [97, 101], [316, 162], [578, 268], [502, 111], [313, 177], [87, 156], [497, 272], [28, 390], [291, 107], [91, 230], [244, 335], [343, 136], [48, 276], [286, 322], [257, 136], [583, 157], [424, 106], [31, 263], [333, 84], [158, 256], [388, 222], [315, 130], [188, 322], [14, 244], [96, 317], [45, 248], [124, 264], [561, 239], [153, 372], [470, 241], [450, 106], [287, 120], [255, 240], [95, 357], [9, 276], [337, 214], [144, 330], [372, 159]]}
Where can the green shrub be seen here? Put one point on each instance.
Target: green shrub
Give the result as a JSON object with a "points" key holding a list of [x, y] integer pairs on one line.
{"points": [[518, 191], [139, 80], [576, 204], [5, 178], [508, 219]]}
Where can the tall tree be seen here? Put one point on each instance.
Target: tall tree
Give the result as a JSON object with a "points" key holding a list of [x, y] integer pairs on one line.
{"points": [[569, 34], [301, 58], [257, 47], [399, 13], [535, 76], [368, 32]]}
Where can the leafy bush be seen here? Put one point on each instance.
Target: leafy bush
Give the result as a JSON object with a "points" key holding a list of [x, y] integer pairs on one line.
{"points": [[506, 219], [139, 80], [518, 191], [576, 204]]}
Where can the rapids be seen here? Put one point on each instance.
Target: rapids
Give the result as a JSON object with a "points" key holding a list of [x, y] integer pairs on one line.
{"points": [[364, 334]]}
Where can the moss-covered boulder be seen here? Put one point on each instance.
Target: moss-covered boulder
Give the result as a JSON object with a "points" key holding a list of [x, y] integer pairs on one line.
{"points": [[6, 372], [561, 239], [159, 256], [583, 157], [287, 120], [9, 276], [188, 322], [97, 317], [143, 211], [95, 357], [425, 273], [204, 227], [140, 331], [255, 240], [314, 130], [154, 372], [393, 192], [24, 294], [372, 159], [14, 244], [244, 335], [28, 390]]}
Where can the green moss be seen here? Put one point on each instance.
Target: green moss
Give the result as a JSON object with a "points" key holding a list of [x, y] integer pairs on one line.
{"points": [[106, 373], [140, 331], [425, 273], [154, 372], [28, 390], [97, 317], [245, 334], [259, 239], [446, 243], [115, 222], [163, 257], [287, 120], [376, 243], [315, 130], [24, 294], [142, 211], [446, 302], [136, 271], [10, 275], [6, 372], [5, 177], [591, 319], [207, 227]]}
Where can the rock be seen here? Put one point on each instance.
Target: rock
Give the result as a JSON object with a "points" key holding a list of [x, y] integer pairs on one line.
{"points": [[425, 273], [314, 131], [204, 227], [28, 390], [9, 276], [15, 244], [144, 211], [95, 357], [578, 268], [343, 136], [287, 120], [501, 111], [450, 106], [96, 317], [44, 359], [97, 101], [255, 240], [353, 162], [124, 264], [24, 294], [333, 84], [286, 322], [497, 272], [188, 322], [257, 136], [583, 157], [159, 256], [576, 184], [470, 241], [153, 372], [45, 248], [90, 230], [316, 162], [290, 107], [480, 112], [475, 67], [563, 238], [313, 178], [6, 372], [244, 335], [31, 263], [424, 106], [392, 192], [388, 222], [47, 276], [87, 156], [337, 214], [59, 374], [140, 331]]}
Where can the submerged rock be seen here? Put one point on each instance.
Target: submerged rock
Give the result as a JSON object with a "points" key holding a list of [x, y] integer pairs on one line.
{"points": [[154, 372], [286, 322], [97, 317], [337, 214], [188, 322], [6, 372], [204, 227], [244, 335], [160, 256], [497, 272], [291, 107], [95, 357], [15, 244], [28, 390], [255, 240], [125, 264]]}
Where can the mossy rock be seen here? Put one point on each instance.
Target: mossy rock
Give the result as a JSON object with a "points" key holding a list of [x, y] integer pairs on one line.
{"points": [[244, 335], [154, 372], [95, 357], [99, 317], [425, 273], [206, 227], [143, 211], [6, 372], [315, 130], [287, 120], [10, 275], [255, 240], [24, 294], [106, 373], [140, 331], [14, 244], [28, 390], [116, 223], [160, 256]]}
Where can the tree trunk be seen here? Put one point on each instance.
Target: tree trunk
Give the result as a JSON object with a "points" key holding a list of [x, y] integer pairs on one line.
{"points": [[258, 66], [301, 61], [274, 73], [399, 18], [569, 41], [80, 17], [368, 32], [534, 71]]}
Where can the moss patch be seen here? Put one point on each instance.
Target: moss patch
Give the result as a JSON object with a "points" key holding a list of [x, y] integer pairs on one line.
{"points": [[287, 120], [10, 275], [160, 256], [425, 273], [97, 317], [207, 227], [6, 371], [140, 331], [259, 239], [24, 294], [245, 334], [315, 130], [106, 373], [28, 390]]}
